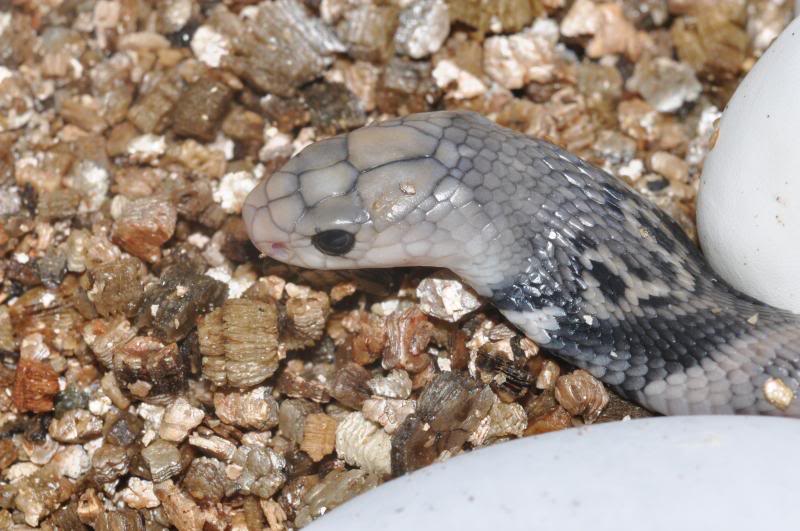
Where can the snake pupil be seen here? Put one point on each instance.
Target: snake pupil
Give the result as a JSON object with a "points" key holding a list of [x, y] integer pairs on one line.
{"points": [[335, 242]]}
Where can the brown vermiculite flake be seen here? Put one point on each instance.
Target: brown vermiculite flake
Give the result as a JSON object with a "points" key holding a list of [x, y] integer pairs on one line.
{"points": [[52, 267], [150, 112], [444, 296], [285, 113], [388, 412], [581, 394], [254, 410], [319, 436], [144, 225], [504, 420], [201, 108], [262, 471], [278, 50], [333, 108], [180, 417], [396, 384], [349, 385], [711, 42], [66, 518], [24, 274], [77, 425], [244, 125], [35, 386], [239, 342], [360, 336], [163, 460], [369, 31], [48, 312], [545, 415], [179, 508], [408, 334], [110, 462], [483, 15], [205, 479], [117, 287], [104, 337], [305, 313], [172, 305], [619, 408], [40, 493], [292, 417], [150, 370], [548, 375], [364, 444], [58, 204], [120, 519], [122, 429], [296, 383], [7, 341], [448, 410], [89, 509], [192, 198], [213, 446], [406, 85], [336, 488], [8, 453]]}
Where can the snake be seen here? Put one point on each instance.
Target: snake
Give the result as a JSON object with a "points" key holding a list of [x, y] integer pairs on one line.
{"points": [[573, 257]]}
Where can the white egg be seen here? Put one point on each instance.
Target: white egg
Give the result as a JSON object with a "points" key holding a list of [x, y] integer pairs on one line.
{"points": [[668, 473], [748, 207]]}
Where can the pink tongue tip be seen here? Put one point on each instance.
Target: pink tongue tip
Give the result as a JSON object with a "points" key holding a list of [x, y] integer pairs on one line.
{"points": [[279, 250]]}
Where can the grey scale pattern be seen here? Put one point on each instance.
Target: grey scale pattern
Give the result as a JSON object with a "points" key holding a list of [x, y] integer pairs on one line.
{"points": [[577, 260]]}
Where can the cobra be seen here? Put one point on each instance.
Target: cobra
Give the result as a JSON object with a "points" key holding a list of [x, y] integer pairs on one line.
{"points": [[574, 258]]}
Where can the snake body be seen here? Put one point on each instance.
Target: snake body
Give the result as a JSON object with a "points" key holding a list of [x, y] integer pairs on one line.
{"points": [[573, 257]]}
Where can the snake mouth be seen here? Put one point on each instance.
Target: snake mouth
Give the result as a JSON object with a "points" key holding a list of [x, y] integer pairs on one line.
{"points": [[279, 250], [275, 249]]}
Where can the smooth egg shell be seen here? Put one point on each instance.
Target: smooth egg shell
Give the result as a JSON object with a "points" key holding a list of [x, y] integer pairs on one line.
{"points": [[748, 206], [658, 474]]}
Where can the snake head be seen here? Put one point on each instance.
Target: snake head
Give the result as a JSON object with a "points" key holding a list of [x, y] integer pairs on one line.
{"points": [[371, 198]]}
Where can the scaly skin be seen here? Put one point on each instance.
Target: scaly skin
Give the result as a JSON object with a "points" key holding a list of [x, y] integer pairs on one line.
{"points": [[573, 257]]}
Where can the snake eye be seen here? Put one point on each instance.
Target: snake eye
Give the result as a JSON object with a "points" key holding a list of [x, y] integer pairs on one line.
{"points": [[335, 242]]}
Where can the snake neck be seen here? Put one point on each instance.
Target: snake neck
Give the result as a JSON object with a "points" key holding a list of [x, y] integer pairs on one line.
{"points": [[608, 282]]}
